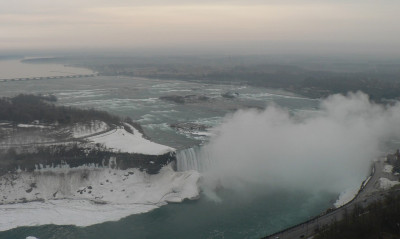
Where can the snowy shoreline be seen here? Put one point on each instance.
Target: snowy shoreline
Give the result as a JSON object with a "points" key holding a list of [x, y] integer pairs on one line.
{"points": [[104, 195], [93, 193]]}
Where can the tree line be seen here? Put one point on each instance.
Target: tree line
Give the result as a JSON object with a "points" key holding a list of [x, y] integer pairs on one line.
{"points": [[380, 219], [25, 108]]}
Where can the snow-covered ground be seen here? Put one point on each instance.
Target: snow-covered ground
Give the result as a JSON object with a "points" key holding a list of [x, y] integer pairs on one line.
{"points": [[388, 168], [385, 183], [88, 195], [92, 194], [123, 141], [33, 126], [346, 196]]}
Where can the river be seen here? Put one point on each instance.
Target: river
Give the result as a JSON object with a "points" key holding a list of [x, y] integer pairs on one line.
{"points": [[251, 213]]}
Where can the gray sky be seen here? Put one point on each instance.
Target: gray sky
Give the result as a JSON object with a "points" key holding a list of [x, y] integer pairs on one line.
{"points": [[254, 26]]}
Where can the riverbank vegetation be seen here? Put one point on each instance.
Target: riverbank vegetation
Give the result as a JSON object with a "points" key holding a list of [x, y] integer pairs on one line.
{"points": [[380, 220], [75, 155], [27, 109]]}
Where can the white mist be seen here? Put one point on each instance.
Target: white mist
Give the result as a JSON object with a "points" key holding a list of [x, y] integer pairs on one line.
{"points": [[328, 150]]}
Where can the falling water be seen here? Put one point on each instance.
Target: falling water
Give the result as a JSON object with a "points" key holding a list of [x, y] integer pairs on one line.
{"points": [[195, 158]]}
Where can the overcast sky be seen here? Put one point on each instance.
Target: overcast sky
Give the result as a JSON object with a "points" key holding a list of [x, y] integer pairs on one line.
{"points": [[252, 26]]}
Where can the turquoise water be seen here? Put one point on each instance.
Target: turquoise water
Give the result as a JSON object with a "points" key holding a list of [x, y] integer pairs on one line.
{"points": [[138, 98], [237, 216], [252, 213]]}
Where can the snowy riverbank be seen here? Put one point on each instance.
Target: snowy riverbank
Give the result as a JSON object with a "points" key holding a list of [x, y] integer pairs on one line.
{"points": [[120, 140], [85, 196]]}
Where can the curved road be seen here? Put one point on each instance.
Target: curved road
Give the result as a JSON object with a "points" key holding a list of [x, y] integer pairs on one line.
{"points": [[365, 196]]}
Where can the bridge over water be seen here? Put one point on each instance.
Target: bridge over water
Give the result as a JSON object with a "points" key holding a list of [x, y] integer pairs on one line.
{"points": [[48, 77]]}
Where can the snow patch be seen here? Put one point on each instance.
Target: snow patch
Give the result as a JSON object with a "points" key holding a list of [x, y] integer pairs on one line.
{"points": [[33, 126], [123, 141], [385, 183], [388, 168]]}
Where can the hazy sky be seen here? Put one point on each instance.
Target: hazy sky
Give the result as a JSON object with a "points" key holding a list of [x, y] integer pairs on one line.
{"points": [[252, 26]]}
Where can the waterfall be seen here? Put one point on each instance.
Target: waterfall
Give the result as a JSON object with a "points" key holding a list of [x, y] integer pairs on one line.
{"points": [[195, 158]]}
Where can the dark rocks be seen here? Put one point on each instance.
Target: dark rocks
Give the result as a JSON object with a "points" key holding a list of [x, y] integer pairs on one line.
{"points": [[174, 98], [189, 127], [29, 190], [230, 95], [178, 99], [81, 190], [30, 161]]}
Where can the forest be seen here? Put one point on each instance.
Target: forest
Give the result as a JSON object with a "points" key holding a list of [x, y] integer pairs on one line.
{"points": [[380, 219], [28, 108]]}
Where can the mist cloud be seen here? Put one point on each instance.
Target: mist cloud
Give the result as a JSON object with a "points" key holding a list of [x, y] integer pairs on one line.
{"points": [[329, 150]]}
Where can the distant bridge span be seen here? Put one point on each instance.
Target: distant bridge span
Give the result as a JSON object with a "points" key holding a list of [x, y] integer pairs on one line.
{"points": [[48, 77]]}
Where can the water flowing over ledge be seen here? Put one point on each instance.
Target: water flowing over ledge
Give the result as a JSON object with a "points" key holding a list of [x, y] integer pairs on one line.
{"points": [[195, 158]]}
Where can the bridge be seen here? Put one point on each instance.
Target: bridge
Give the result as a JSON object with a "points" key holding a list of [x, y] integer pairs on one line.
{"points": [[48, 77]]}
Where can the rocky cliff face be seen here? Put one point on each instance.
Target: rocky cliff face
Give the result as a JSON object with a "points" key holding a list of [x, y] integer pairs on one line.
{"points": [[74, 156]]}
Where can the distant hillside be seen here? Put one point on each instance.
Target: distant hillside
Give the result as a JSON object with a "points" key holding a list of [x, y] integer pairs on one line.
{"points": [[25, 109], [314, 77], [28, 108]]}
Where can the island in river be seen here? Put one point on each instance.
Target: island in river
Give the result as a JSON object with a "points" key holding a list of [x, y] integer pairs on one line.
{"points": [[86, 164]]}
